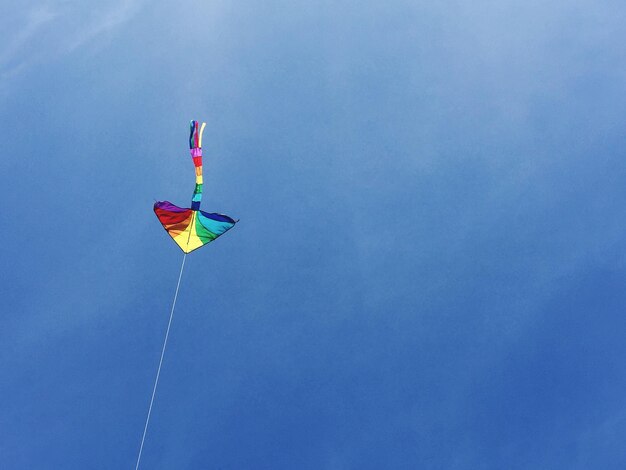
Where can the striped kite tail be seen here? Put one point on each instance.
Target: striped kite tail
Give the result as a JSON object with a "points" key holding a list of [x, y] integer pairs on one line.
{"points": [[195, 148]]}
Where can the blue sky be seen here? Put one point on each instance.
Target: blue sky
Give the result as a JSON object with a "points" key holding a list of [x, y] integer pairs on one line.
{"points": [[429, 268]]}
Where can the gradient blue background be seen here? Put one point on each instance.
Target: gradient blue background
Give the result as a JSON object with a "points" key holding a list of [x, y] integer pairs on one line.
{"points": [[430, 265]]}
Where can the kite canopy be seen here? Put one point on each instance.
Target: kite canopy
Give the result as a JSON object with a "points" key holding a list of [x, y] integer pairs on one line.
{"points": [[192, 228]]}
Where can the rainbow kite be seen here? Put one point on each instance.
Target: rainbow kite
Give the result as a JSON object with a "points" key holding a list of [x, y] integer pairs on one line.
{"points": [[192, 228]]}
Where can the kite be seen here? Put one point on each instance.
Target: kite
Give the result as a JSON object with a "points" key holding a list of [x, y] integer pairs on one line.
{"points": [[192, 228]]}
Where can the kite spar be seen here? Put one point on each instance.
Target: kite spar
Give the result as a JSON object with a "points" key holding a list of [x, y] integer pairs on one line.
{"points": [[191, 229]]}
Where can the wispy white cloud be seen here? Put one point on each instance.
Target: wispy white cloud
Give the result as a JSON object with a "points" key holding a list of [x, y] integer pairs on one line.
{"points": [[50, 31], [35, 20], [115, 16]]}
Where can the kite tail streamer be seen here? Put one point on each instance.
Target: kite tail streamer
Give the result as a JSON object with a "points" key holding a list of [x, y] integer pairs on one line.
{"points": [[156, 380], [195, 147]]}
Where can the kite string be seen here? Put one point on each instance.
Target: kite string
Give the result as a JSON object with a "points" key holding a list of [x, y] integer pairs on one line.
{"points": [[156, 381]]}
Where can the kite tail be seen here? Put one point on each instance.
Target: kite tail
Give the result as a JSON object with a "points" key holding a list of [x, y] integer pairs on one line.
{"points": [[195, 147]]}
